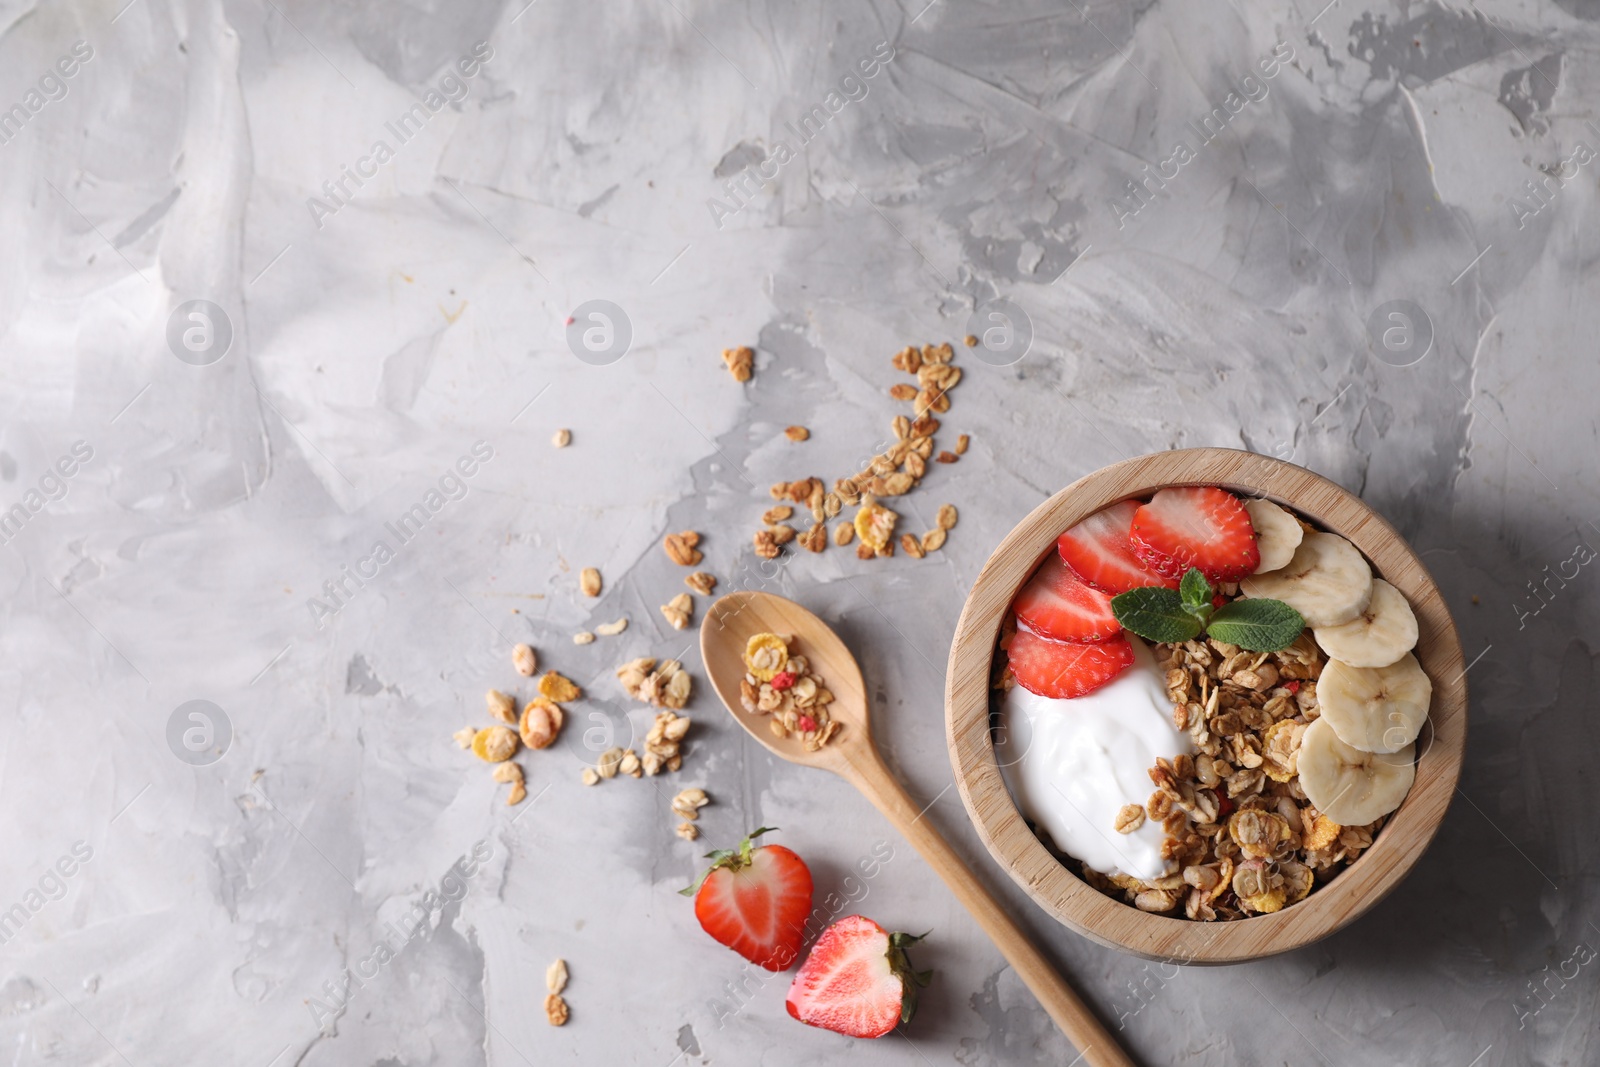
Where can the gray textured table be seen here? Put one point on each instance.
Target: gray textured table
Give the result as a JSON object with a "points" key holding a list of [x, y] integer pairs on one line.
{"points": [[1360, 238]]}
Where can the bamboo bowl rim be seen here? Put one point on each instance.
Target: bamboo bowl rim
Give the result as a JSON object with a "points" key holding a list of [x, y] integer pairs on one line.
{"points": [[1059, 891]]}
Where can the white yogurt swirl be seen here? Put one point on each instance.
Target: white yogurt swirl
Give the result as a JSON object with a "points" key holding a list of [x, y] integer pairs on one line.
{"points": [[1082, 759]]}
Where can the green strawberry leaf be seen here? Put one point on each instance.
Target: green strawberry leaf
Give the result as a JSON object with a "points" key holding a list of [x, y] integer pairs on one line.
{"points": [[1260, 625], [726, 857], [1195, 592], [1156, 614]]}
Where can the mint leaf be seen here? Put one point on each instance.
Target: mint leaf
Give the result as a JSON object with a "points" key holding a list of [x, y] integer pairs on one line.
{"points": [[1155, 613], [1260, 625], [1195, 592]]}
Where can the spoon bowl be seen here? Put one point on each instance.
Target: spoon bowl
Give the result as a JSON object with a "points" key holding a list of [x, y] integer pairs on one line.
{"points": [[729, 624]]}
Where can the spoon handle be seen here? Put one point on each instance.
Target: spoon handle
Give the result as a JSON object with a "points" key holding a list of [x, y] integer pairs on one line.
{"points": [[1099, 1049]]}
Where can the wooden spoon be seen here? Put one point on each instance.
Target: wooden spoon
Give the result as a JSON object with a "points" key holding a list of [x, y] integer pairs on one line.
{"points": [[728, 625]]}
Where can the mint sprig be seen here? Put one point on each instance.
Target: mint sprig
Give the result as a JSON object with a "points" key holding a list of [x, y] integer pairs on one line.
{"points": [[1167, 616], [1155, 613], [1262, 625]]}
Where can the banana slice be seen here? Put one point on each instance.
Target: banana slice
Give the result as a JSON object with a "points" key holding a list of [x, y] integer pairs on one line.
{"points": [[1375, 709], [1377, 637], [1277, 533], [1327, 581], [1350, 786]]}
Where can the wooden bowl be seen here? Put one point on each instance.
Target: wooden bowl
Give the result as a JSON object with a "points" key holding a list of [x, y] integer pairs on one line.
{"points": [[1061, 892]]}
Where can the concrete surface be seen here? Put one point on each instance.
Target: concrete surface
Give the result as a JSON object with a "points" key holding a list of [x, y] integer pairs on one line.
{"points": [[1298, 176]]}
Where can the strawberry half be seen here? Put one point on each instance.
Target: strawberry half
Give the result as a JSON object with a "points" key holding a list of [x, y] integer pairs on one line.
{"points": [[1062, 669], [1196, 526], [755, 901], [857, 980], [1098, 552], [1059, 606]]}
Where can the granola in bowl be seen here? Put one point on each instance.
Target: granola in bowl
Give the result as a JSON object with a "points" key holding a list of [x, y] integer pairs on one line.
{"points": [[1294, 697]]}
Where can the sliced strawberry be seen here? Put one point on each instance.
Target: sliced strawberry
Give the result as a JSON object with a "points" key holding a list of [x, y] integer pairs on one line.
{"points": [[1196, 526], [857, 980], [1056, 604], [1062, 669], [1098, 551], [755, 901]]}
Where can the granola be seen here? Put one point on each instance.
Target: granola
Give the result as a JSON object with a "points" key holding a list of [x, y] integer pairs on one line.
{"points": [[894, 472], [739, 362], [501, 706], [541, 722], [558, 688], [681, 548], [555, 976], [665, 684], [589, 581], [512, 773], [678, 611], [782, 685], [494, 744], [1239, 831]]}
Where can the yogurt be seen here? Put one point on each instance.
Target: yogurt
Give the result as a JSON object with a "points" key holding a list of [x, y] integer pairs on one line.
{"points": [[1078, 761]]}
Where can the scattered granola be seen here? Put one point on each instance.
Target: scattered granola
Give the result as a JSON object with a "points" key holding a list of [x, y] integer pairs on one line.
{"points": [[541, 722], [562, 438], [661, 744], [680, 548], [739, 362], [933, 540], [590, 777], [494, 744], [815, 539], [874, 524], [524, 660], [665, 685], [512, 773], [464, 736], [894, 472], [558, 688], [797, 433], [962, 442], [589, 581], [844, 533], [688, 802], [678, 611], [765, 544], [555, 976], [555, 1010], [612, 629], [687, 830], [501, 706], [971, 340], [702, 582], [912, 545], [583, 637], [783, 686], [609, 763]]}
